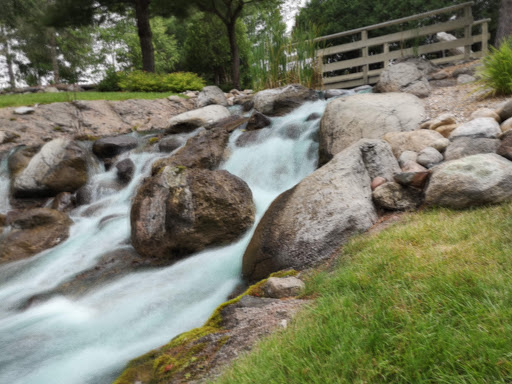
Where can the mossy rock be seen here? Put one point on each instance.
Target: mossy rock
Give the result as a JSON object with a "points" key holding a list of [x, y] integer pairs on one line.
{"points": [[187, 356]]}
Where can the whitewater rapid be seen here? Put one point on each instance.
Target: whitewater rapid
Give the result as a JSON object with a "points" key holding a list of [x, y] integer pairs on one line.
{"points": [[89, 339]]}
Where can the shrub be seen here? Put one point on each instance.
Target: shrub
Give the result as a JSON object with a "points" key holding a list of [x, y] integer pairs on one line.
{"points": [[497, 69], [138, 81], [110, 82]]}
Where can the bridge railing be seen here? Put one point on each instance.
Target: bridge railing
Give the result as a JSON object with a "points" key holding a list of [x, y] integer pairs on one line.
{"points": [[361, 61]]}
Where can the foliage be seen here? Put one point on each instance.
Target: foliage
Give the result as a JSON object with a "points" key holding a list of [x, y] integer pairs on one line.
{"points": [[47, 98], [278, 60], [138, 81], [206, 48], [496, 72], [110, 82], [425, 301]]}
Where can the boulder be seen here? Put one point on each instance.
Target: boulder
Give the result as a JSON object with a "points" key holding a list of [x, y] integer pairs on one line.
{"points": [[211, 95], [230, 123], [446, 130], [378, 181], [313, 116], [63, 202], [412, 166], [465, 79], [20, 159], [403, 77], [205, 150], [125, 170], [279, 287], [485, 112], [406, 157], [257, 121], [280, 101], [8, 137], [468, 146], [248, 138], [170, 143], [446, 37], [470, 181], [110, 147], [395, 197], [505, 146], [505, 110], [60, 166], [480, 127], [24, 110], [309, 222], [415, 141], [33, 231], [347, 120], [182, 211], [429, 157], [506, 125], [202, 117], [415, 179]]}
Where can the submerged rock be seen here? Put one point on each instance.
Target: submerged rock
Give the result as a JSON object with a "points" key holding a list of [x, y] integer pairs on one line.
{"points": [[309, 222], [33, 231], [181, 211]]}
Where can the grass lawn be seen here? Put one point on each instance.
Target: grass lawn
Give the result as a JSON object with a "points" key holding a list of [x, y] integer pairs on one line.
{"points": [[46, 98], [426, 301]]}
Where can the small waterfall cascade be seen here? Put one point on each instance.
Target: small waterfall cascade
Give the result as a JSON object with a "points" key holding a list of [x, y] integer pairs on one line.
{"points": [[89, 339]]}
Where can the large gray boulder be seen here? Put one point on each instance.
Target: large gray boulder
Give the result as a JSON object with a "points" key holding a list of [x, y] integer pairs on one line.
{"points": [[415, 141], [279, 101], [211, 95], [403, 77], [202, 117], [369, 116], [109, 147], [181, 211], [60, 166], [395, 197], [33, 231], [469, 146], [470, 181], [480, 127], [309, 222]]}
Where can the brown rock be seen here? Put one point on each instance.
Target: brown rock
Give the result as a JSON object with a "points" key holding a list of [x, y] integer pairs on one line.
{"points": [[33, 231], [63, 202], [413, 179], [257, 121], [182, 211], [446, 130], [377, 182], [412, 166], [505, 148], [395, 197], [229, 124], [443, 119], [279, 287], [205, 150], [485, 112], [19, 160], [506, 125], [505, 110]]}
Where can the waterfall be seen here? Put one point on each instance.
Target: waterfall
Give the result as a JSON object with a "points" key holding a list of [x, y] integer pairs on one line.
{"points": [[90, 338]]}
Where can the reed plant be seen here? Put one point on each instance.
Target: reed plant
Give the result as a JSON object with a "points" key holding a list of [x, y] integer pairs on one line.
{"points": [[496, 71], [279, 59]]}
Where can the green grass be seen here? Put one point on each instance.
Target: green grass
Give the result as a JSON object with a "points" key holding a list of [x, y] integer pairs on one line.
{"points": [[496, 72], [46, 98], [426, 301]]}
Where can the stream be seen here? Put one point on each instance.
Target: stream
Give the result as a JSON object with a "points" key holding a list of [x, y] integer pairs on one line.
{"points": [[90, 338]]}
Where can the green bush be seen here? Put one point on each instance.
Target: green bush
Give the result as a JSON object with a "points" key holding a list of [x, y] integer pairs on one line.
{"points": [[110, 82], [152, 82], [497, 69]]}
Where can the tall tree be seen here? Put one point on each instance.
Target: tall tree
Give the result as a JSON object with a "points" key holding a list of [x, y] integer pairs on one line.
{"points": [[229, 11], [504, 22]]}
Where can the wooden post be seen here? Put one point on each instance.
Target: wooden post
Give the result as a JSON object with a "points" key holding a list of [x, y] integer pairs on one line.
{"points": [[386, 51], [468, 16], [364, 37], [485, 38]]}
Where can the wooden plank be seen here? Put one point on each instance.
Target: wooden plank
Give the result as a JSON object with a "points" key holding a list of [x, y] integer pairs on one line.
{"points": [[351, 76], [364, 54], [429, 48], [394, 22], [393, 37], [485, 38], [352, 83], [448, 59]]}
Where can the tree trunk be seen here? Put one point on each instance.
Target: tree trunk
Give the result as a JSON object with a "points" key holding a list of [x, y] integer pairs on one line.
{"points": [[235, 55], [8, 59], [504, 22], [53, 53], [145, 35]]}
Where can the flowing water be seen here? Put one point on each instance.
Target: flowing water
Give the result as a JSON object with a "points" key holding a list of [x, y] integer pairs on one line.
{"points": [[89, 339]]}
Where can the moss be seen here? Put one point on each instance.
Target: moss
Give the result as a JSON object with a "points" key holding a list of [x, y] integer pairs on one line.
{"points": [[154, 140], [13, 119], [58, 129], [86, 138], [186, 356]]}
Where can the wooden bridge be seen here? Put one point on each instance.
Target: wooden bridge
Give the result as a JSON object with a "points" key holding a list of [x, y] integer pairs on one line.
{"points": [[361, 61]]}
